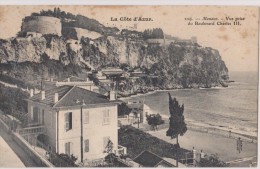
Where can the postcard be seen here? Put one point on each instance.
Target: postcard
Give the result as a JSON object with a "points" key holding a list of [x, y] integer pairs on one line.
{"points": [[128, 86]]}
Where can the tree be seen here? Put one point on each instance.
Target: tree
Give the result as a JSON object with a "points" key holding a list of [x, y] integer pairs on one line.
{"points": [[154, 120], [123, 109], [110, 158], [63, 160], [212, 161], [177, 125]]}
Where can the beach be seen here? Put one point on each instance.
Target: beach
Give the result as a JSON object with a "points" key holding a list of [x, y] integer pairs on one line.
{"points": [[215, 117], [232, 108]]}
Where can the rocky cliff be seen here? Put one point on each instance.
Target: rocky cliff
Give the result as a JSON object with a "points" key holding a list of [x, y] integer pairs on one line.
{"points": [[175, 65]]}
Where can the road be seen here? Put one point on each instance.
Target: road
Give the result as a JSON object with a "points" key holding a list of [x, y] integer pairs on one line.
{"points": [[243, 162], [27, 161], [226, 148]]}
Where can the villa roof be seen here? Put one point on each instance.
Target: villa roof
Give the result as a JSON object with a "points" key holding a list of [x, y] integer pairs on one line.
{"points": [[112, 71], [73, 79], [149, 159], [70, 96]]}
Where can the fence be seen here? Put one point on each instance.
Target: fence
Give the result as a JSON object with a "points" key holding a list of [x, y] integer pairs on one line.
{"points": [[27, 148], [26, 138], [31, 130], [44, 150], [188, 160], [224, 133]]}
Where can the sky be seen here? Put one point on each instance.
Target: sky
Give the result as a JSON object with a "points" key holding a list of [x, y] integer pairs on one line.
{"points": [[237, 45]]}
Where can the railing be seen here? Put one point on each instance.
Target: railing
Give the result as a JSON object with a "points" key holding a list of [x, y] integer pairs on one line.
{"points": [[121, 150], [123, 117], [31, 130], [96, 163], [221, 132], [189, 159]]}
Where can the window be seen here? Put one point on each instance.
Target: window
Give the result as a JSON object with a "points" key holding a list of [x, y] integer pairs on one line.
{"points": [[106, 117], [68, 121], [86, 117], [42, 116], [68, 148], [35, 114], [86, 142]]}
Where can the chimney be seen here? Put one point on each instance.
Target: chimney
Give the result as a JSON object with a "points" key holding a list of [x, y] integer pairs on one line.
{"points": [[42, 95], [56, 98], [112, 95], [68, 79], [31, 93], [51, 79]]}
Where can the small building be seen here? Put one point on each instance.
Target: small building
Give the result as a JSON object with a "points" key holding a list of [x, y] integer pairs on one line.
{"points": [[138, 107], [137, 73], [100, 76], [112, 72], [149, 159], [76, 81], [76, 121]]}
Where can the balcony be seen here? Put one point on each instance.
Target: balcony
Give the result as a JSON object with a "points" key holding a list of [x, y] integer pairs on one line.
{"points": [[31, 130]]}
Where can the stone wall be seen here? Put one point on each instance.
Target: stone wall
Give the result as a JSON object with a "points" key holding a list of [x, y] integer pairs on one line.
{"points": [[78, 33], [42, 24]]}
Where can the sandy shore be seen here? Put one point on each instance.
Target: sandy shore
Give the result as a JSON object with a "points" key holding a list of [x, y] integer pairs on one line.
{"points": [[249, 136], [210, 143]]}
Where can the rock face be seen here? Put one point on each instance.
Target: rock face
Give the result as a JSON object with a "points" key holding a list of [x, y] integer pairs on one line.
{"points": [[31, 48], [78, 33], [176, 65], [179, 64]]}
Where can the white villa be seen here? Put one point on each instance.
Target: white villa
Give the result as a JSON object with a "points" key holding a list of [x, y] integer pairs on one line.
{"points": [[76, 121]]}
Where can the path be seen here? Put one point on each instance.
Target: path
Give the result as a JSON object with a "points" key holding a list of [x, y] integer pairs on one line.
{"points": [[211, 144], [27, 161], [7, 157]]}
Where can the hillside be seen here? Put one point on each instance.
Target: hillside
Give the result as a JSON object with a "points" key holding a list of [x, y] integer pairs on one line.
{"points": [[167, 66]]}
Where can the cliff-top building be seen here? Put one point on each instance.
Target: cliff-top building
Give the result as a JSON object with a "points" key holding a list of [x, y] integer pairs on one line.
{"points": [[76, 121]]}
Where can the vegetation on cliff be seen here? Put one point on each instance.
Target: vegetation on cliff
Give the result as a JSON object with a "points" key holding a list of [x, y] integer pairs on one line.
{"points": [[175, 65], [70, 20]]}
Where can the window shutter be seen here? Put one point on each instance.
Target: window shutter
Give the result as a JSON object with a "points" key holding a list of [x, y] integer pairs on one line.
{"points": [[42, 116], [67, 148], [106, 117], [70, 120], [86, 117], [86, 145], [66, 121], [71, 148]]}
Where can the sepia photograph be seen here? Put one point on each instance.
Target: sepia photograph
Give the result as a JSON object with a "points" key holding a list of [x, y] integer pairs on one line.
{"points": [[128, 86]]}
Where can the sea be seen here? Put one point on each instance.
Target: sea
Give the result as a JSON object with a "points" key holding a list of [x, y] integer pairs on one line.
{"points": [[231, 108]]}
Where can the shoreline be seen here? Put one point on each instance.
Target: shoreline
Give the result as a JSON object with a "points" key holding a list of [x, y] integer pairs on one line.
{"points": [[168, 90], [204, 127]]}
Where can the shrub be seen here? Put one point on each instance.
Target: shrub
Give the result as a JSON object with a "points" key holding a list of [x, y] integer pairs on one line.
{"points": [[212, 161], [154, 120]]}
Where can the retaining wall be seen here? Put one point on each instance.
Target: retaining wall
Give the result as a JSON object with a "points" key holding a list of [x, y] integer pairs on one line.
{"points": [[42, 24]]}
